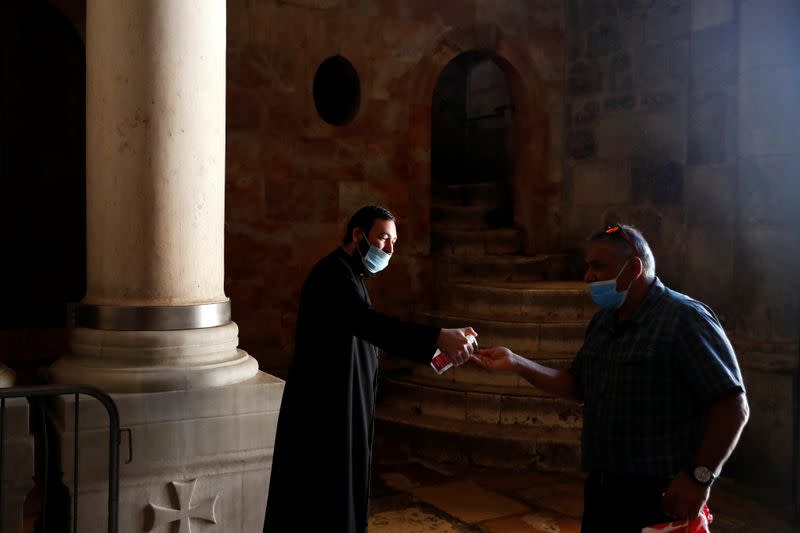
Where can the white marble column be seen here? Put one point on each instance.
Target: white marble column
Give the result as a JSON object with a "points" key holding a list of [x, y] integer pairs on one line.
{"points": [[155, 315], [154, 327]]}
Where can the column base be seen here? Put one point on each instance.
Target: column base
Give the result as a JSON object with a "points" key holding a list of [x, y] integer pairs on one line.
{"points": [[150, 361], [211, 447]]}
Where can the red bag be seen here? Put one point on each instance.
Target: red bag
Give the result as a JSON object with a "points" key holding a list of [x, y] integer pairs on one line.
{"points": [[698, 525]]}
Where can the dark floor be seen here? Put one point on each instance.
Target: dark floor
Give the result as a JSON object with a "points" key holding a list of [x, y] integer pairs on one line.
{"points": [[412, 496]]}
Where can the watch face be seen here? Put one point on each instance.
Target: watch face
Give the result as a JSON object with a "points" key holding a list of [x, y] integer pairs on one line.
{"points": [[702, 474]]}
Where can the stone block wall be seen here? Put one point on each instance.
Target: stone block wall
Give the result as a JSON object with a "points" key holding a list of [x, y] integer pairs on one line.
{"points": [[628, 90], [679, 120], [293, 180], [766, 244]]}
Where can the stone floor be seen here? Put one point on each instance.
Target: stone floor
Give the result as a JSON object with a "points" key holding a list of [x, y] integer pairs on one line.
{"points": [[412, 496]]}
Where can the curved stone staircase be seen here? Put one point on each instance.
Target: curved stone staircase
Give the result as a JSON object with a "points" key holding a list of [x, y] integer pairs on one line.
{"points": [[468, 415]]}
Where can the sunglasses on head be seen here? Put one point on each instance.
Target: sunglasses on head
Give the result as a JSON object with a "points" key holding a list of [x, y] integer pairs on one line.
{"points": [[616, 229]]}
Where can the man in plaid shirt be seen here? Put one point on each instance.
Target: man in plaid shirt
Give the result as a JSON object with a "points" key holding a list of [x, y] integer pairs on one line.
{"points": [[663, 399]]}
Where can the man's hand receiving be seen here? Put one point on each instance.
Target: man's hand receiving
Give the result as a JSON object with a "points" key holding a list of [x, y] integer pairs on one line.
{"points": [[454, 344], [498, 359]]}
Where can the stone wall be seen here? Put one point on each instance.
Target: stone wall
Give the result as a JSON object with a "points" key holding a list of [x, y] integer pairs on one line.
{"points": [[628, 78], [680, 114], [766, 244], [293, 179]]}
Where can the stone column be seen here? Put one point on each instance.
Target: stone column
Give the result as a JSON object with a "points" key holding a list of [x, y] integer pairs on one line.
{"points": [[155, 191], [154, 327]]}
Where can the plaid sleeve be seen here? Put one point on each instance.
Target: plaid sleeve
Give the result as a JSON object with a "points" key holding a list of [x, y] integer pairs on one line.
{"points": [[708, 359]]}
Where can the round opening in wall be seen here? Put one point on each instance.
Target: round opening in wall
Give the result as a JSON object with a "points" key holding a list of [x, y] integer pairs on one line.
{"points": [[337, 91]]}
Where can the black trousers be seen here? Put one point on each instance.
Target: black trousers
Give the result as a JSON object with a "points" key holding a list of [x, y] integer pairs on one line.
{"points": [[621, 503]]}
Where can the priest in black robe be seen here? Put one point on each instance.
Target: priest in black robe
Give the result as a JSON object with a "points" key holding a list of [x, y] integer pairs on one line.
{"points": [[323, 447]]}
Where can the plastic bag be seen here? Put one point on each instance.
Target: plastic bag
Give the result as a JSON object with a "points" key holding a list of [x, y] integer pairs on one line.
{"points": [[698, 525]]}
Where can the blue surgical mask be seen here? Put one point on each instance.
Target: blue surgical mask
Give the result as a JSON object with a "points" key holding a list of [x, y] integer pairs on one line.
{"points": [[375, 259], [604, 293]]}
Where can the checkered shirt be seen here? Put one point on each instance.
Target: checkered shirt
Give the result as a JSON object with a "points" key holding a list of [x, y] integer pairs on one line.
{"points": [[648, 382]]}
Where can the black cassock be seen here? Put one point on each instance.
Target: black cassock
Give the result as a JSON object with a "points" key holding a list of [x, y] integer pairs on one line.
{"points": [[323, 447]]}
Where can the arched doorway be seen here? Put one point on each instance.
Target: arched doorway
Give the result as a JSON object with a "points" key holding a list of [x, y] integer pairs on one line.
{"points": [[471, 122], [495, 243], [472, 152]]}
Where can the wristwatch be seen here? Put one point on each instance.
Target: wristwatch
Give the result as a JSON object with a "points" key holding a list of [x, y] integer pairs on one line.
{"points": [[702, 475]]}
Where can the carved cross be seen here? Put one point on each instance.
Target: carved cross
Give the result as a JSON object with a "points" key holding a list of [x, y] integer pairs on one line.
{"points": [[186, 511]]}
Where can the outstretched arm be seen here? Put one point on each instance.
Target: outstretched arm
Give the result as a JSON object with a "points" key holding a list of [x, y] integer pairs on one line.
{"points": [[556, 382]]}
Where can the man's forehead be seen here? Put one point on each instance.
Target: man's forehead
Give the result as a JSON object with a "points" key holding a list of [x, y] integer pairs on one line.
{"points": [[381, 226]]}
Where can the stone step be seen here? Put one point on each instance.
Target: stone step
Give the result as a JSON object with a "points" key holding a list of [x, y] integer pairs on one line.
{"points": [[460, 242], [485, 404], [493, 445], [472, 374], [522, 337], [538, 301], [510, 268], [491, 194], [471, 217]]}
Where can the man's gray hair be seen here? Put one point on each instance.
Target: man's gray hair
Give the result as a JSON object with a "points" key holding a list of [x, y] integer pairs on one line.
{"points": [[637, 241]]}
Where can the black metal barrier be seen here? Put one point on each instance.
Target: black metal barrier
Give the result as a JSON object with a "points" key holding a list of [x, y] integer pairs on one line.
{"points": [[51, 391]]}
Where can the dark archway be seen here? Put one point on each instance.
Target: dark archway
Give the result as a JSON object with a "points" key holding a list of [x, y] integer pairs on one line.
{"points": [[488, 271], [536, 180], [42, 165], [473, 153], [471, 122]]}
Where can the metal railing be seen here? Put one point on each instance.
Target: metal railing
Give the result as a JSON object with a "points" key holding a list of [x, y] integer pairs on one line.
{"points": [[51, 391]]}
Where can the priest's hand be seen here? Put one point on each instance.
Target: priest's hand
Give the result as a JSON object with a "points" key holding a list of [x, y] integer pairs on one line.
{"points": [[454, 344]]}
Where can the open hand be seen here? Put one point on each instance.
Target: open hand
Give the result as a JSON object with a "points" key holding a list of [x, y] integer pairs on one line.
{"points": [[499, 359]]}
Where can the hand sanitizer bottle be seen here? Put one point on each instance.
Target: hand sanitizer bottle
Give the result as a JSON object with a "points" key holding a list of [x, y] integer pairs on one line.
{"points": [[441, 363]]}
